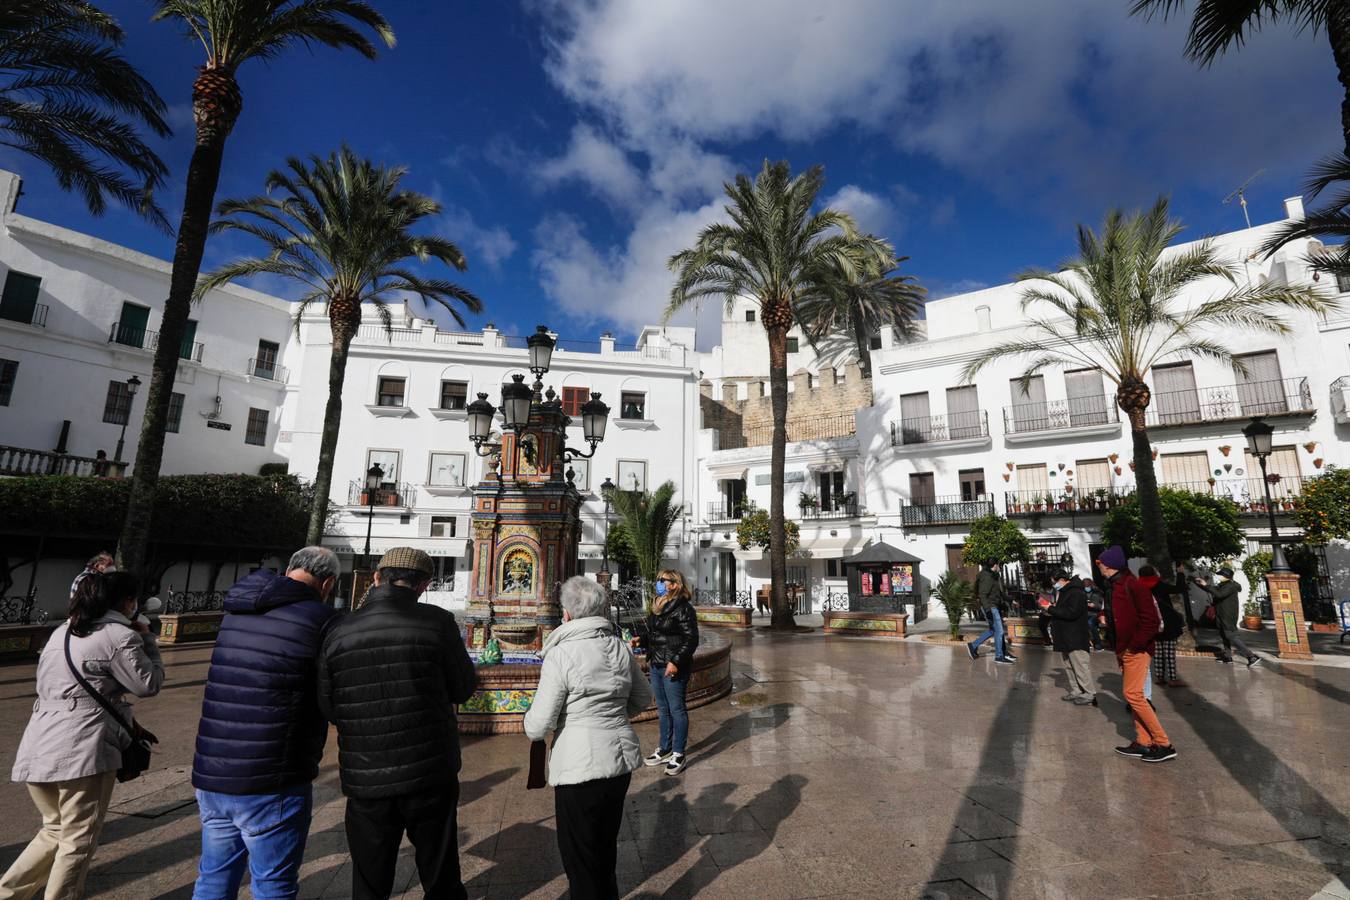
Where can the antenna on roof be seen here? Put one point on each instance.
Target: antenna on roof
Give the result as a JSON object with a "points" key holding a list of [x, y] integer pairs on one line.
{"points": [[1241, 195]]}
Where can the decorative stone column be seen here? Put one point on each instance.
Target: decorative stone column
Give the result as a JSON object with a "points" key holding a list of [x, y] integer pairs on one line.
{"points": [[1287, 604]]}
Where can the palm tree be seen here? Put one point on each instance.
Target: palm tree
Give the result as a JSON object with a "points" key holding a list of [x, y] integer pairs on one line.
{"points": [[852, 309], [1330, 221], [1115, 308], [646, 520], [69, 100], [776, 251], [1219, 25], [342, 228], [232, 32]]}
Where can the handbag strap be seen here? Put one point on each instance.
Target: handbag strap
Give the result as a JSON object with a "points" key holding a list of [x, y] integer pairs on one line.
{"points": [[102, 700]]}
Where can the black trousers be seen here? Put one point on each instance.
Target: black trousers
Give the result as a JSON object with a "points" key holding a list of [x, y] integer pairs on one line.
{"points": [[589, 816], [375, 829]]}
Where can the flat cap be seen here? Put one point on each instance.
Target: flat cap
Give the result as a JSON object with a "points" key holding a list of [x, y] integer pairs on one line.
{"points": [[407, 558]]}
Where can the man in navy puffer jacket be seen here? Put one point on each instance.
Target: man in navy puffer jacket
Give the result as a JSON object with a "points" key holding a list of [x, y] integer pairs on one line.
{"points": [[261, 734]]}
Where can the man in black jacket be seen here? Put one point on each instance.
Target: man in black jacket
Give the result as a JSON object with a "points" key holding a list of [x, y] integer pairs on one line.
{"points": [[390, 675], [1071, 637]]}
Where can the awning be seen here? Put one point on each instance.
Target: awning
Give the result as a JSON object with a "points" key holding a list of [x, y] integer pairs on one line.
{"points": [[379, 546], [881, 552], [750, 555], [830, 547]]}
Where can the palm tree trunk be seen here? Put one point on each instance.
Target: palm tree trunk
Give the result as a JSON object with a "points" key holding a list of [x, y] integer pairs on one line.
{"points": [[1338, 32], [863, 341], [781, 613], [202, 178], [332, 422]]}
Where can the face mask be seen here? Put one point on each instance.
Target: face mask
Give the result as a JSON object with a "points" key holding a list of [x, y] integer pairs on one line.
{"points": [[660, 589], [1060, 587]]}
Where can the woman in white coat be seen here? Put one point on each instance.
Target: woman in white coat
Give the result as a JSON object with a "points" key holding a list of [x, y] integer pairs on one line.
{"points": [[589, 687], [72, 748]]}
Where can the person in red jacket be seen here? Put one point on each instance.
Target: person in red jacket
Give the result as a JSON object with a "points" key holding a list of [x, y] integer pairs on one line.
{"points": [[1137, 623]]}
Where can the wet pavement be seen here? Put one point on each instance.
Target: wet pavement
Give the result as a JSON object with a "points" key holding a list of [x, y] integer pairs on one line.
{"points": [[852, 767]]}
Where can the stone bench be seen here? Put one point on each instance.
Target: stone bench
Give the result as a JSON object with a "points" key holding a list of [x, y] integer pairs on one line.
{"points": [[18, 642], [870, 624], [1024, 630], [183, 628], [729, 616]]}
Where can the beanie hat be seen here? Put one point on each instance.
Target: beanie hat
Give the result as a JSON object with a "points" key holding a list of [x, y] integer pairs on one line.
{"points": [[1225, 572], [407, 558], [1113, 557]]}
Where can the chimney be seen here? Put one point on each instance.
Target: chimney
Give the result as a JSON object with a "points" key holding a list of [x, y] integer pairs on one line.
{"points": [[1293, 209]]}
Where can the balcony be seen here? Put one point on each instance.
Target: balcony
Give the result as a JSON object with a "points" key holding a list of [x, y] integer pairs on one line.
{"points": [[963, 429], [1078, 416], [37, 316], [1231, 403], [17, 461], [1024, 504], [802, 429], [725, 511], [268, 370], [141, 339], [399, 496], [832, 509], [953, 510], [1249, 493]]}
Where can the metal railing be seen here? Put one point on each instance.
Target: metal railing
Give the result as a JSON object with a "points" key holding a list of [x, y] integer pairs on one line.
{"points": [[195, 602], [22, 610], [952, 510], [1230, 402], [37, 317], [378, 334], [715, 597], [940, 429], [835, 508], [1249, 493], [22, 461], [401, 494], [801, 429], [141, 339], [1055, 415], [267, 369], [1080, 500], [725, 511]]}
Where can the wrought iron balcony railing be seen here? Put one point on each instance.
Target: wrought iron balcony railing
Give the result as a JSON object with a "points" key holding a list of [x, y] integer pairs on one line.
{"points": [[1249, 493], [940, 429], [21, 461], [714, 597], [400, 494], [1289, 396], [35, 316], [1057, 415], [725, 510], [1079, 500], [267, 369], [832, 509], [141, 339], [953, 510]]}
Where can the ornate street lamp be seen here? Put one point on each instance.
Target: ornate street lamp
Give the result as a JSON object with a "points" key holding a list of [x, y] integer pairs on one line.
{"points": [[133, 384], [374, 478], [1260, 438], [606, 491], [517, 398], [541, 345]]}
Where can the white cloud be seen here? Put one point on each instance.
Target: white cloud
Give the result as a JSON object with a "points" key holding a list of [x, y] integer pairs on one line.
{"points": [[873, 213], [600, 165], [489, 245]]}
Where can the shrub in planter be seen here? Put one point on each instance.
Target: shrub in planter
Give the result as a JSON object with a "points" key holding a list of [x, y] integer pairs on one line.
{"points": [[1251, 615], [955, 595]]}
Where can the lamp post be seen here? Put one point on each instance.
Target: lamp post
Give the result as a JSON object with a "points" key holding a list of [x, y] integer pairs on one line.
{"points": [[606, 491], [374, 477], [133, 383], [1260, 438]]}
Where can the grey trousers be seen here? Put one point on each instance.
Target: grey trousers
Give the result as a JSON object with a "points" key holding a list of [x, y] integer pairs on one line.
{"points": [[1078, 668], [1228, 633]]}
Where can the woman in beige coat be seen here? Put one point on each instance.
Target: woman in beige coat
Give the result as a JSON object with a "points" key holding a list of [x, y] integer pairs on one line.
{"points": [[72, 748]]}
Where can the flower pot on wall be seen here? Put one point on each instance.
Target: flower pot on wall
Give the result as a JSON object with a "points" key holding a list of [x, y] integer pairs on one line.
{"points": [[1225, 448], [1113, 457], [1131, 466], [1010, 466], [1310, 446], [1119, 470], [1317, 463], [1006, 476]]}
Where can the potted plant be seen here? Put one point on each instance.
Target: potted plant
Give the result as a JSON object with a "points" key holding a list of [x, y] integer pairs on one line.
{"points": [[1225, 449], [1113, 457], [1251, 615], [955, 596], [808, 501], [1049, 500], [1310, 446]]}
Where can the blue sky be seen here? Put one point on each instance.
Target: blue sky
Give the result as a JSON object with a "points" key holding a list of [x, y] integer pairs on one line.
{"points": [[575, 145]]}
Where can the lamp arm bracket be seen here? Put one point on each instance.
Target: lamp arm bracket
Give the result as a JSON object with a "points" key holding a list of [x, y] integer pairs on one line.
{"points": [[569, 453]]}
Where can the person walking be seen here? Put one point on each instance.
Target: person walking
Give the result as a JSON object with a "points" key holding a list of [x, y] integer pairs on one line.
{"points": [[1136, 624], [1224, 598], [261, 734], [1071, 638], [590, 685], [72, 747], [99, 564], [670, 642], [390, 674], [989, 592], [1173, 624]]}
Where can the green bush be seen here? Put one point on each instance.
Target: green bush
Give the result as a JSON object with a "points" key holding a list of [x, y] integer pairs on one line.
{"points": [[274, 468], [994, 537], [753, 529], [1323, 508], [955, 594], [1199, 526]]}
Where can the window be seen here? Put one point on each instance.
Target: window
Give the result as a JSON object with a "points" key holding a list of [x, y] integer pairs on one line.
{"points": [[813, 381], [131, 325], [1030, 411], [972, 484], [188, 349], [19, 301], [1033, 482], [840, 376], [1093, 475], [831, 486], [1190, 470], [454, 394], [749, 315], [915, 425], [447, 470], [1174, 394], [443, 526], [921, 492], [1259, 384], [573, 397], [792, 345], [831, 568], [581, 474], [1086, 397], [391, 391], [632, 405], [175, 413], [256, 434], [117, 408], [265, 364], [443, 579], [9, 371], [632, 475], [1343, 283], [388, 461], [963, 413], [874, 342]]}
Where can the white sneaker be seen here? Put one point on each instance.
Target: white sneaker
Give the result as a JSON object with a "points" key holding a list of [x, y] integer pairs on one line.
{"points": [[659, 758], [676, 764]]}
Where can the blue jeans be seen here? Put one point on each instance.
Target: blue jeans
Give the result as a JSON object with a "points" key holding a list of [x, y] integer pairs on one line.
{"points": [[266, 832], [995, 631], [670, 709]]}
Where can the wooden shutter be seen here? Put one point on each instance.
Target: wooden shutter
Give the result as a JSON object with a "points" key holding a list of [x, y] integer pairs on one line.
{"points": [[1261, 388], [1174, 393], [1029, 407], [1086, 397], [963, 412], [1185, 469], [1092, 475], [1033, 481]]}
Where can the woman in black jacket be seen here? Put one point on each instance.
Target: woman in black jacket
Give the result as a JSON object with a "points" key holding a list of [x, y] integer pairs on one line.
{"points": [[672, 637], [1071, 637]]}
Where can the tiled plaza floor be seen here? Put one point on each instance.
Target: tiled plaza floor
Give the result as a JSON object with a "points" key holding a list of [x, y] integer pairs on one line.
{"points": [[855, 768]]}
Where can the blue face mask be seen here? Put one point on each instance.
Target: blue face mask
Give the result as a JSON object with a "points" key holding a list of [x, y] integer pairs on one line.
{"points": [[660, 589]]}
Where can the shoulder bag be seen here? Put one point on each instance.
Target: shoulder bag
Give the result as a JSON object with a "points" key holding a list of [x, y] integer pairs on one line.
{"points": [[136, 756]]}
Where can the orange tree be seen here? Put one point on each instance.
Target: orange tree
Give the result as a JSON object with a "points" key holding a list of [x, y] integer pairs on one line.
{"points": [[1323, 510]]}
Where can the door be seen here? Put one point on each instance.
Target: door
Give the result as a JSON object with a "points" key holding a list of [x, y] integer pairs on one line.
{"points": [[1093, 475], [1283, 461], [265, 366], [1033, 483], [726, 577], [189, 338], [921, 491], [1087, 397], [1174, 394], [19, 300], [963, 412], [915, 425], [831, 491], [131, 325], [957, 565], [1189, 470], [972, 485], [1260, 387], [733, 495], [1029, 408]]}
